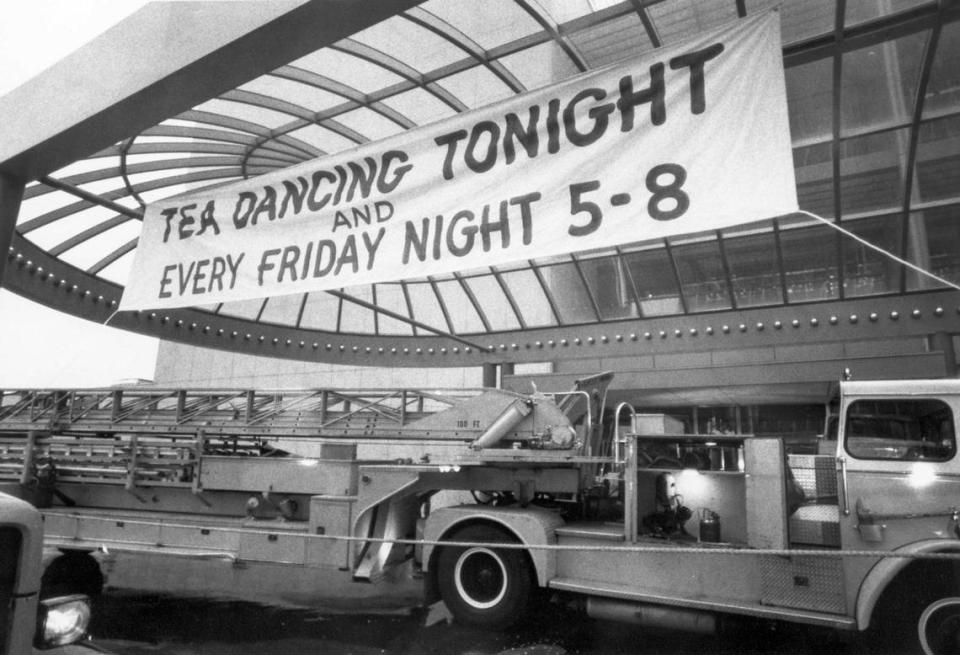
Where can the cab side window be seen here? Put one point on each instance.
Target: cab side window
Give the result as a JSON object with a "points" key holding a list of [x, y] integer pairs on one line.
{"points": [[913, 430]]}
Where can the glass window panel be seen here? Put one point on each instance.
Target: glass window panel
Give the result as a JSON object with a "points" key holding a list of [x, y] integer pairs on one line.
{"points": [[809, 101], [246, 112], [242, 308], [347, 69], [862, 11], [200, 121], [512, 22], [810, 263], [426, 307], [701, 276], [323, 138], [872, 171], [943, 88], [682, 19], [462, 313], [866, 271], [572, 297], [111, 184], [390, 297], [50, 202], [754, 269], [172, 189], [540, 65], [357, 318], [420, 106], [104, 165], [529, 296], [282, 310], [656, 284], [62, 229], [933, 243], [477, 86], [494, 303], [321, 312], [563, 11], [406, 41], [113, 187], [145, 158], [612, 41], [106, 174], [800, 20], [151, 176], [124, 232], [149, 136], [938, 160], [610, 287], [813, 166], [369, 123], [305, 95], [266, 160], [880, 83], [119, 271], [93, 250]]}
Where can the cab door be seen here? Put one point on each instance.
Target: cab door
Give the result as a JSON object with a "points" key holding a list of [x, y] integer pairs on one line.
{"points": [[899, 475]]}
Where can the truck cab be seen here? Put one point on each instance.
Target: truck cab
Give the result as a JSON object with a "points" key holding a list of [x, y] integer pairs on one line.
{"points": [[26, 621], [899, 491]]}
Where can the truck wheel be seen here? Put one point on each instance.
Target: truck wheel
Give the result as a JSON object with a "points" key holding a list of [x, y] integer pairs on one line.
{"points": [[939, 627], [483, 585]]}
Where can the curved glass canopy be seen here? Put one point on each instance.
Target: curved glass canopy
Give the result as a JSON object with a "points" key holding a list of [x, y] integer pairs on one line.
{"points": [[874, 101]]}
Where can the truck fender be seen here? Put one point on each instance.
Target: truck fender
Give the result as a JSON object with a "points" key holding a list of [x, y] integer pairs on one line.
{"points": [[530, 525], [886, 570]]}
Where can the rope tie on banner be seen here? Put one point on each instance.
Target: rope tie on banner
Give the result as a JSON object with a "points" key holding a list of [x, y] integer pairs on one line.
{"points": [[633, 548]]}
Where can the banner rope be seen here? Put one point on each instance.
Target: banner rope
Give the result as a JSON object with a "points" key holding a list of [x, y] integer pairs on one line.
{"points": [[110, 318], [703, 548], [886, 253], [836, 226]]}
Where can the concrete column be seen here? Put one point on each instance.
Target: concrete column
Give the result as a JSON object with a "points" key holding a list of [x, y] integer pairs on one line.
{"points": [[943, 342], [11, 193]]}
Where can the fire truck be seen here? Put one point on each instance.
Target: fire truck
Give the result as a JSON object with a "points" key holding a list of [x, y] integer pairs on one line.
{"points": [[488, 500]]}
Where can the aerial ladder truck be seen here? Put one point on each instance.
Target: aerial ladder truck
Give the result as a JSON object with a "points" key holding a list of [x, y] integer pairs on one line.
{"points": [[483, 499], [289, 495]]}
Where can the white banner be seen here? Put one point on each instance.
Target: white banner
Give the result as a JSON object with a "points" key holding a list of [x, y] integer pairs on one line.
{"points": [[683, 139]]}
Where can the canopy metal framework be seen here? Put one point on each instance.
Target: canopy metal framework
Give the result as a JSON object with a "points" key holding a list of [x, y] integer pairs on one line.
{"points": [[874, 101]]}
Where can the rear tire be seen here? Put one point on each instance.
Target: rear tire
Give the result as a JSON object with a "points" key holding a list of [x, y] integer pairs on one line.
{"points": [[483, 585]]}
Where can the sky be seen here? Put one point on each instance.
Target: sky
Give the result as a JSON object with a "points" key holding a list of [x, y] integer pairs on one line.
{"points": [[40, 347]]}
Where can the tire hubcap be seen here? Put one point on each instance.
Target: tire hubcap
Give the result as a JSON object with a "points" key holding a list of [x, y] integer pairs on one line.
{"points": [[481, 577]]}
